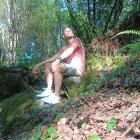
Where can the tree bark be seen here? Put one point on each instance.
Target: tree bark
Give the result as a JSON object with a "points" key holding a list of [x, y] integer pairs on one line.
{"points": [[12, 31], [118, 13], [111, 13], [94, 12], [88, 11]]}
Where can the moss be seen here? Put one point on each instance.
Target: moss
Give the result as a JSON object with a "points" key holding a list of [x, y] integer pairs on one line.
{"points": [[14, 107]]}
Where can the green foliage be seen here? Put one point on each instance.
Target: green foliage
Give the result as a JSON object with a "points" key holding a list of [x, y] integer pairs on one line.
{"points": [[131, 49], [82, 95], [91, 83], [94, 138], [87, 86], [37, 135], [52, 134], [84, 125], [81, 26], [133, 32], [4, 64], [111, 124], [12, 109], [59, 115], [136, 65]]}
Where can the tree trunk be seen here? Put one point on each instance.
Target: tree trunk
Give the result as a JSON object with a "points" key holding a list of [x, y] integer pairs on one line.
{"points": [[111, 13], [12, 31], [88, 11], [94, 12], [1, 55], [118, 13]]}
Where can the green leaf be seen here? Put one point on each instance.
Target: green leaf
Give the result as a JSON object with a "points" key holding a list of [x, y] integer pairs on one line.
{"points": [[84, 125], [54, 135], [82, 95], [138, 107], [137, 65], [111, 124], [51, 130], [38, 133], [94, 138], [60, 115], [90, 86]]}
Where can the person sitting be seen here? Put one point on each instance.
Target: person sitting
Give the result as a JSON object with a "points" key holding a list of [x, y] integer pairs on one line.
{"points": [[74, 55]]}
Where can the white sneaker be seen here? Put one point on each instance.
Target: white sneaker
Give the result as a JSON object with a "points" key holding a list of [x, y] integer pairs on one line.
{"points": [[45, 93], [52, 99]]}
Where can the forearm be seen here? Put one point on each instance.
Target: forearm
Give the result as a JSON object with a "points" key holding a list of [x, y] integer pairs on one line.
{"points": [[50, 60], [67, 53]]}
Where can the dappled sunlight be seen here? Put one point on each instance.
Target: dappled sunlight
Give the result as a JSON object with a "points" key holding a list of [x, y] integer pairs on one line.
{"points": [[41, 41]]}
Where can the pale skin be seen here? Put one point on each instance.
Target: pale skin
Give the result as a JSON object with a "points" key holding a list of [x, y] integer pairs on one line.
{"points": [[53, 68]]}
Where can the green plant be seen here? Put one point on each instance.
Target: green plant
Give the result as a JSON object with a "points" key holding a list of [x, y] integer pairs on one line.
{"points": [[111, 124], [52, 134], [95, 138], [130, 49], [38, 133], [134, 32]]}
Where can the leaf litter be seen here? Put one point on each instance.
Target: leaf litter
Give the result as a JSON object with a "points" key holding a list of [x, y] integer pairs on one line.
{"points": [[108, 114]]}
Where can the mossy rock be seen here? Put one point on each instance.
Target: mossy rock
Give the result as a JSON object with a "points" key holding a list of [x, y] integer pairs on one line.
{"points": [[10, 83]]}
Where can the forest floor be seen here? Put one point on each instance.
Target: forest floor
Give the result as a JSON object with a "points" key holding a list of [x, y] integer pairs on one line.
{"points": [[112, 113]]}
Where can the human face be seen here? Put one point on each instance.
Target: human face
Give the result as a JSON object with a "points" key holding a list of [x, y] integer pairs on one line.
{"points": [[68, 33]]}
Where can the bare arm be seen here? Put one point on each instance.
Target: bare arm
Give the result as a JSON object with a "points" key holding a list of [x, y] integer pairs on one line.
{"points": [[71, 49], [66, 54], [50, 60]]}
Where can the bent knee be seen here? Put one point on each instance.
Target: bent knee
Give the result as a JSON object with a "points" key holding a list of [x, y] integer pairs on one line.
{"points": [[60, 68], [48, 66]]}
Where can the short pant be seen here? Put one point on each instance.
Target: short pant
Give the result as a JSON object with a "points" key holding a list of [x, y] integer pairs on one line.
{"points": [[73, 73]]}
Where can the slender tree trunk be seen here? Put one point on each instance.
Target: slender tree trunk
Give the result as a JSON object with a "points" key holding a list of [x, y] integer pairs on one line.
{"points": [[60, 30], [118, 13], [88, 11], [13, 35], [1, 55], [111, 13], [138, 5], [94, 12]]}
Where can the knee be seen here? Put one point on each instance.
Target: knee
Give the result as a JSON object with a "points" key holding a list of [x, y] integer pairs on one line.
{"points": [[48, 66], [58, 70]]}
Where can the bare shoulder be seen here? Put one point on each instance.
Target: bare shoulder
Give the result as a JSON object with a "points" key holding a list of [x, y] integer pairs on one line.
{"points": [[77, 41]]}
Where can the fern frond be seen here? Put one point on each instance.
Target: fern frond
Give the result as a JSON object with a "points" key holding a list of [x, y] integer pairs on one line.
{"points": [[133, 48], [134, 32]]}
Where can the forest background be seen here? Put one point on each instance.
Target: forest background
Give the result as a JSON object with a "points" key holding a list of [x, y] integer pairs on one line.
{"points": [[32, 31]]}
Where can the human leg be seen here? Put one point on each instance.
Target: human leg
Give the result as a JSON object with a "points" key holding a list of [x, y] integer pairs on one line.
{"points": [[49, 75], [49, 79], [58, 77]]}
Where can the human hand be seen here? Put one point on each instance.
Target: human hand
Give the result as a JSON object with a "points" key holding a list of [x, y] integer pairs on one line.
{"points": [[35, 69], [55, 65]]}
